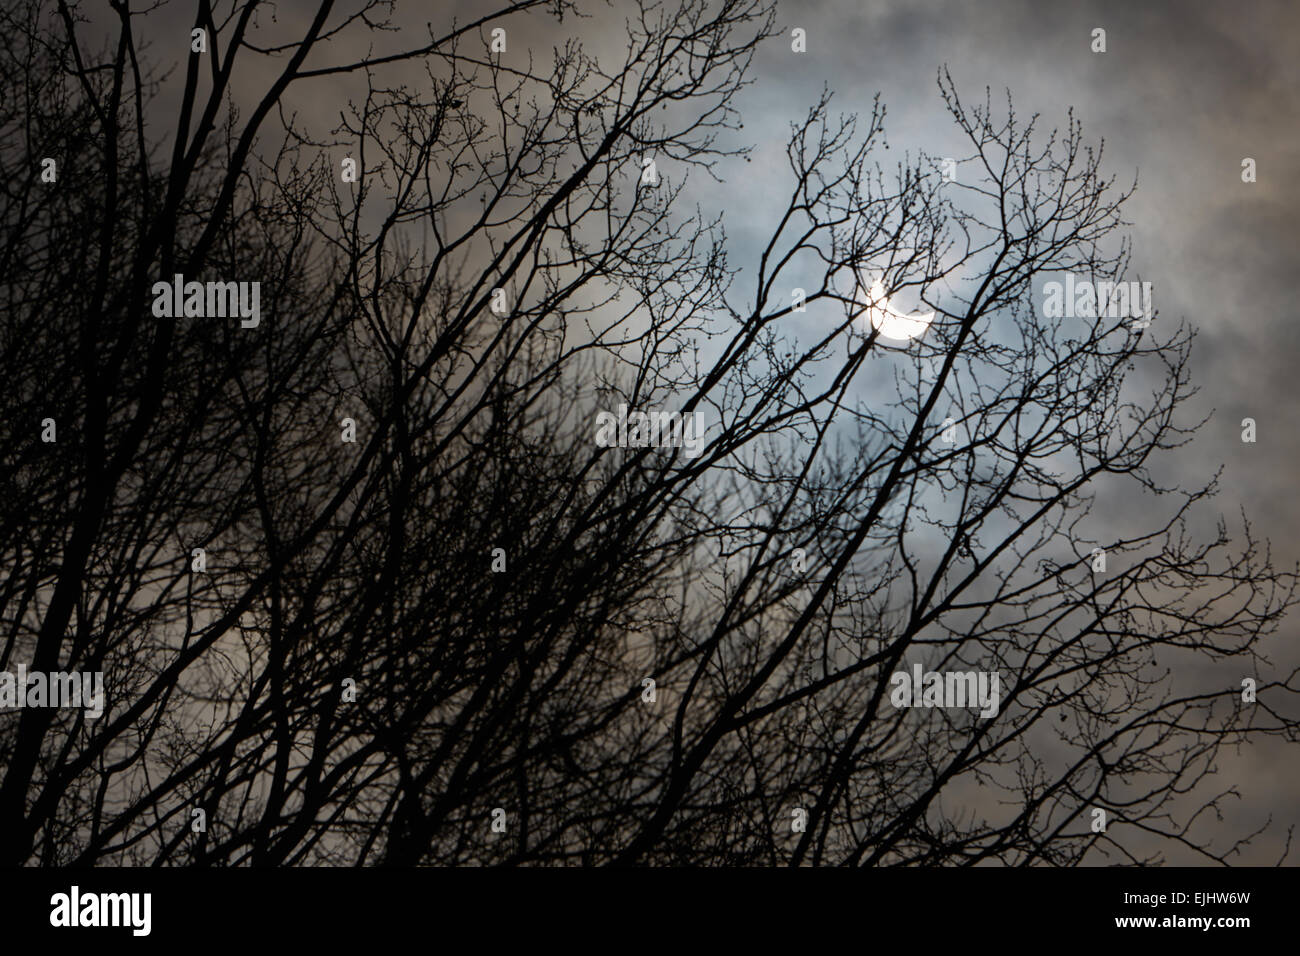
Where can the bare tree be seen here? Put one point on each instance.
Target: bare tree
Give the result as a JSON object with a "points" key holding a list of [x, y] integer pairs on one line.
{"points": [[475, 634]]}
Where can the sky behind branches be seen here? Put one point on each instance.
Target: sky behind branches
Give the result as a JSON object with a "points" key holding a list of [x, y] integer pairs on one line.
{"points": [[1183, 93]]}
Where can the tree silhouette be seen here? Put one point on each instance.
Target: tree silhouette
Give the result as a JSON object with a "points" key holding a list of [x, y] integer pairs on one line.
{"points": [[384, 641]]}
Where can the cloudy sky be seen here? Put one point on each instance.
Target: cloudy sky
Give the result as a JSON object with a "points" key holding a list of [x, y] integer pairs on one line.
{"points": [[1184, 92]]}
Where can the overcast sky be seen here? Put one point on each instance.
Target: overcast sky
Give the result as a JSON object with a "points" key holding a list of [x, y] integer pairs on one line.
{"points": [[1182, 94]]}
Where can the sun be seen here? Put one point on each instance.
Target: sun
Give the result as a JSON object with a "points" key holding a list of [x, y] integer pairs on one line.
{"points": [[889, 322]]}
